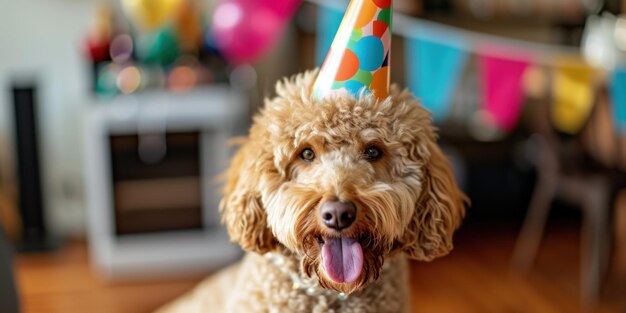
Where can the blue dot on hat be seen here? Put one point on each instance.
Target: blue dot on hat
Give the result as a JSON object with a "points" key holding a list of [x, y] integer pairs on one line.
{"points": [[370, 52], [355, 87]]}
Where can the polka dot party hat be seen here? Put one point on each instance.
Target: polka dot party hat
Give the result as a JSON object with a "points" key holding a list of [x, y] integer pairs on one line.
{"points": [[358, 60]]}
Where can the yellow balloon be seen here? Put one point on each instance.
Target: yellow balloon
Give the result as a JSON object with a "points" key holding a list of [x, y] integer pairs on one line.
{"points": [[151, 14]]}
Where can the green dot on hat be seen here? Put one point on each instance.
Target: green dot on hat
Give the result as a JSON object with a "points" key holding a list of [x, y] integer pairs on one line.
{"points": [[385, 16], [363, 77], [356, 35], [337, 85]]}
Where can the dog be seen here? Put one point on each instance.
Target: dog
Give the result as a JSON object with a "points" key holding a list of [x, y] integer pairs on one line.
{"points": [[330, 198]]}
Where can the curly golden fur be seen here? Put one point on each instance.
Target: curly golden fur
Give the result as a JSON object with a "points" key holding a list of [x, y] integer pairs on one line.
{"points": [[407, 201]]}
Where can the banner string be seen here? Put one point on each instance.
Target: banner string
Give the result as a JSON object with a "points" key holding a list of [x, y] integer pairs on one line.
{"points": [[468, 40]]}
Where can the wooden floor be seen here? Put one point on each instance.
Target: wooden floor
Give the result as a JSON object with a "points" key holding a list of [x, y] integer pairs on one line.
{"points": [[475, 278]]}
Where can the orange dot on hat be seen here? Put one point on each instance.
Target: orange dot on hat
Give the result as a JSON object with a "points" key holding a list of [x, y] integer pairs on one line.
{"points": [[383, 4], [380, 82], [348, 67], [366, 13]]}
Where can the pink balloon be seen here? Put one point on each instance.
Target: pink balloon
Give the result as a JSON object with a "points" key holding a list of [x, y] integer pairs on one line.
{"points": [[284, 8], [246, 29]]}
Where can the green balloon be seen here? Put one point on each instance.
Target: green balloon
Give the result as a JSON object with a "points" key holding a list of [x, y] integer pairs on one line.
{"points": [[160, 47]]}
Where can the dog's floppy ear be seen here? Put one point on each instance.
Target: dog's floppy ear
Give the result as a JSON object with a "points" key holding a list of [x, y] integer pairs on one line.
{"points": [[438, 212], [242, 210]]}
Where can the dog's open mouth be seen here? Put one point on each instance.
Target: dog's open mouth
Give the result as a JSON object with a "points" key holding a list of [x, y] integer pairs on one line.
{"points": [[342, 258]]}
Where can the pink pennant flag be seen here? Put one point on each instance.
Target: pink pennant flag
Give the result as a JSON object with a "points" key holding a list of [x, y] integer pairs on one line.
{"points": [[502, 86]]}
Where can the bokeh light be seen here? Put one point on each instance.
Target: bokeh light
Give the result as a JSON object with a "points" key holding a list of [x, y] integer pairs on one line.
{"points": [[243, 76], [620, 33], [181, 79], [106, 83], [230, 14], [121, 48], [129, 80]]}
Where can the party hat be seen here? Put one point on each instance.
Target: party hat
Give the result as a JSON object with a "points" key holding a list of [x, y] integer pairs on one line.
{"points": [[359, 57]]}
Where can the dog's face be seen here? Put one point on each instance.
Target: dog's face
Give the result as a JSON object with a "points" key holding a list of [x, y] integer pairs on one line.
{"points": [[342, 183]]}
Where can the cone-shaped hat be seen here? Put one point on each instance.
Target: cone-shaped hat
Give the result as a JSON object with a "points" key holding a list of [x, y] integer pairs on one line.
{"points": [[359, 56]]}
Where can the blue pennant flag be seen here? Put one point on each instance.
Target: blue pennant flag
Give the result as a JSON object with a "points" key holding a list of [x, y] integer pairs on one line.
{"points": [[434, 70], [618, 95], [328, 21]]}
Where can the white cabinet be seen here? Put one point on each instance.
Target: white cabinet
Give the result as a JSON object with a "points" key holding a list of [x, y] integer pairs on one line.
{"points": [[151, 160]]}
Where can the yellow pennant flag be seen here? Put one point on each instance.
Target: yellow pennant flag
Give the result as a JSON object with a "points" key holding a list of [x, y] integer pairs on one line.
{"points": [[573, 92]]}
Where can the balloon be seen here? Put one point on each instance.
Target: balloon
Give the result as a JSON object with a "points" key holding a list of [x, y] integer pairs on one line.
{"points": [[160, 47], [99, 37], [245, 29], [97, 48], [150, 14], [189, 26], [284, 9]]}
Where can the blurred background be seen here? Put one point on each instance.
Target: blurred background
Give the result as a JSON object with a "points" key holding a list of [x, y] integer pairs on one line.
{"points": [[115, 117]]}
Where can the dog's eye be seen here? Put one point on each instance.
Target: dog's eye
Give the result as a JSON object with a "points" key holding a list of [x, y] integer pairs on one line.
{"points": [[307, 155], [372, 153]]}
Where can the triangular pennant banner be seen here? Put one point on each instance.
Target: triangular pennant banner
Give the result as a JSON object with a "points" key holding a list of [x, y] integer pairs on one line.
{"points": [[573, 94], [328, 21], [434, 70], [502, 87], [618, 97]]}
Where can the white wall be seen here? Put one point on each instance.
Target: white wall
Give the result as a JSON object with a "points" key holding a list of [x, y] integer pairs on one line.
{"points": [[42, 39]]}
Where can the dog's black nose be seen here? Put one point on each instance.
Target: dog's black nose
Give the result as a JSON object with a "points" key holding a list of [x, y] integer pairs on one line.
{"points": [[338, 215]]}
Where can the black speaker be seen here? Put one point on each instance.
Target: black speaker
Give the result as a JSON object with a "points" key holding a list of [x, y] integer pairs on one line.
{"points": [[30, 196], [8, 292]]}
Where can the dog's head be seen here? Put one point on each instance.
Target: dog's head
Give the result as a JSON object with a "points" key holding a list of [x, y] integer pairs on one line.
{"points": [[342, 183]]}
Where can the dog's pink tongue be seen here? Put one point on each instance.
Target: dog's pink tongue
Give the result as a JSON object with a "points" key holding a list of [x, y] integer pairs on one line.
{"points": [[343, 259]]}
